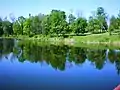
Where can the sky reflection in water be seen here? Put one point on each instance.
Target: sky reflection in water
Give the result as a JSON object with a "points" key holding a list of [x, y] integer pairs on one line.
{"points": [[29, 66]]}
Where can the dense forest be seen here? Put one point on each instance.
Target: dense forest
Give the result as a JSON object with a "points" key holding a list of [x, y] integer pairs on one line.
{"points": [[57, 23]]}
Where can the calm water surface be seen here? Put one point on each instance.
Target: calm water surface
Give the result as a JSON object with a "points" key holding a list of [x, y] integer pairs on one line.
{"points": [[32, 66]]}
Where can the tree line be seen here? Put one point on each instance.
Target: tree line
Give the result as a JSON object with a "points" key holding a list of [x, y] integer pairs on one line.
{"points": [[56, 24]]}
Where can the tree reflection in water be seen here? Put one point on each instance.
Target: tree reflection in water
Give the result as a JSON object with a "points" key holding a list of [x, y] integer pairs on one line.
{"points": [[59, 57]]}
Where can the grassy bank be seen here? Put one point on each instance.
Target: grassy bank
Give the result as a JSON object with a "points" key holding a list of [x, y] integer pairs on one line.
{"points": [[97, 39], [40, 38], [103, 39]]}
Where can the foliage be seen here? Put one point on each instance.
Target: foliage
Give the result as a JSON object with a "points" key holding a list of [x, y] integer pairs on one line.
{"points": [[18, 26], [7, 27], [27, 29], [93, 25], [1, 30], [71, 18], [114, 25], [98, 23], [101, 15], [80, 25], [57, 23]]}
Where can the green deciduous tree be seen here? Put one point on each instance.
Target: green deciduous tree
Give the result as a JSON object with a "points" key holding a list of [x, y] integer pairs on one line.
{"points": [[18, 26], [46, 24], [71, 18], [80, 25], [7, 27], [36, 22], [21, 21], [102, 17], [1, 29], [58, 24], [118, 19], [27, 27], [93, 25], [113, 24]]}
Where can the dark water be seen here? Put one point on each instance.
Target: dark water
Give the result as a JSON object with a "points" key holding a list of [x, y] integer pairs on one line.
{"points": [[32, 66]]}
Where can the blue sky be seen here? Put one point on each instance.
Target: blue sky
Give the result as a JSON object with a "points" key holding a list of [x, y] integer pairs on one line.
{"points": [[24, 7]]}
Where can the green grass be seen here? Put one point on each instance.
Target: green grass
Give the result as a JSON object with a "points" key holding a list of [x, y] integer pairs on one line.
{"points": [[98, 41], [105, 37], [93, 40]]}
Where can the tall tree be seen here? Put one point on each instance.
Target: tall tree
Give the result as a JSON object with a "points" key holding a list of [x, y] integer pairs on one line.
{"points": [[113, 24], [80, 25], [21, 20], [18, 25], [93, 25], [1, 29], [102, 16], [118, 18], [17, 28], [46, 25], [58, 23], [37, 24], [71, 18], [7, 27], [27, 27]]}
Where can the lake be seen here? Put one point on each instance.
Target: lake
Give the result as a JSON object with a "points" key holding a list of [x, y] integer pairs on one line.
{"points": [[38, 66]]}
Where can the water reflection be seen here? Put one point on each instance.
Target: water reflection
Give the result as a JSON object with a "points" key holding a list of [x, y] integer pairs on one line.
{"points": [[59, 57]]}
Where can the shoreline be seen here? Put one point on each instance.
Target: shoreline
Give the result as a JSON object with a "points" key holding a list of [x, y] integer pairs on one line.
{"points": [[74, 40]]}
